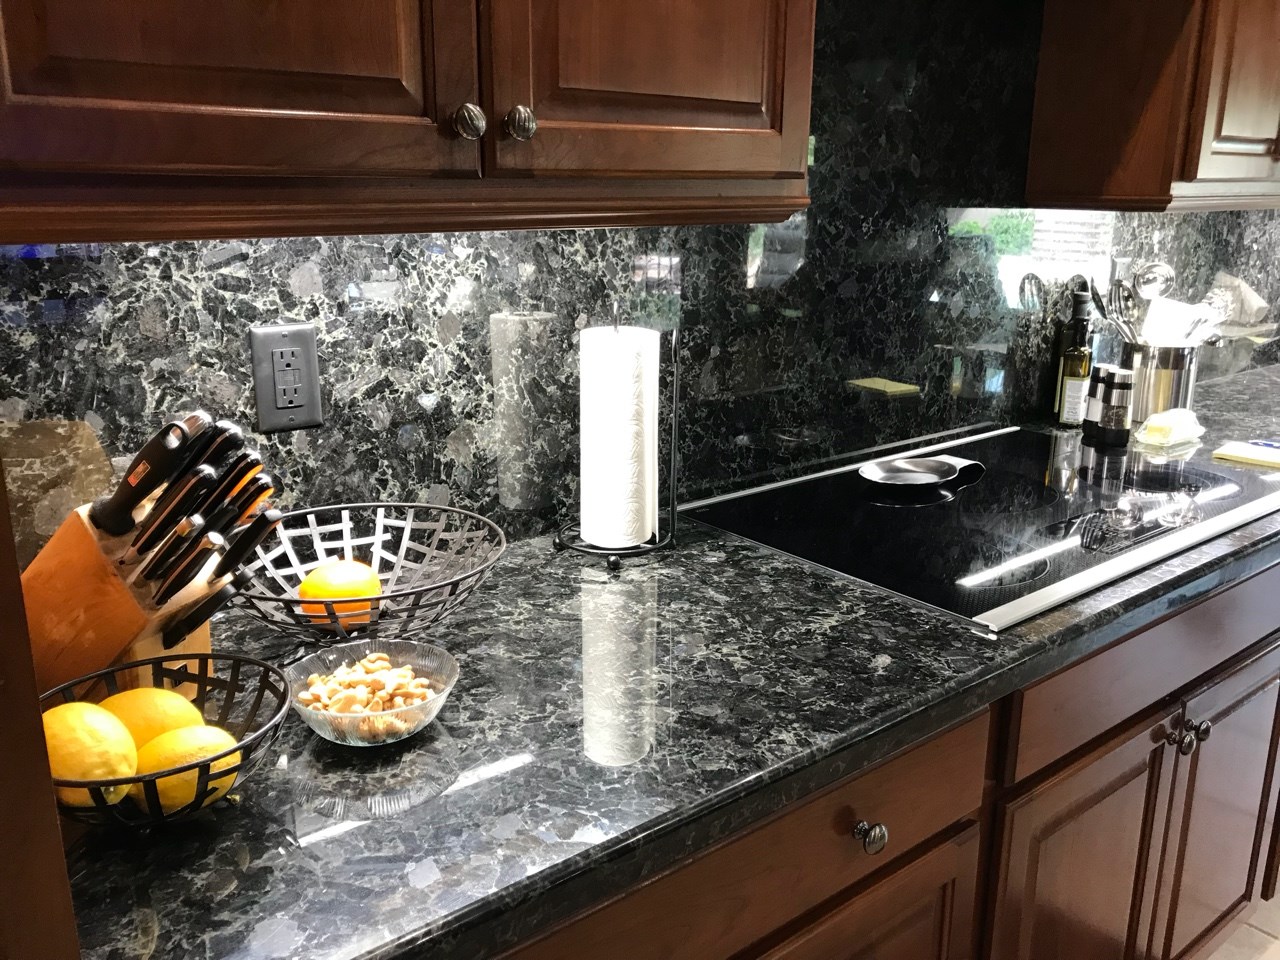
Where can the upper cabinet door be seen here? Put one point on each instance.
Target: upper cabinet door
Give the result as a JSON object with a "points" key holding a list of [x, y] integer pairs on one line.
{"points": [[716, 87], [1238, 107], [299, 87]]}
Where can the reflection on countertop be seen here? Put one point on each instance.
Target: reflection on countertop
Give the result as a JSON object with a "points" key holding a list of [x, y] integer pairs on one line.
{"points": [[602, 729]]}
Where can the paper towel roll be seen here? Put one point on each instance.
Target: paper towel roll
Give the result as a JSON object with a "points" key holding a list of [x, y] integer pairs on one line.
{"points": [[518, 347], [619, 641], [619, 412]]}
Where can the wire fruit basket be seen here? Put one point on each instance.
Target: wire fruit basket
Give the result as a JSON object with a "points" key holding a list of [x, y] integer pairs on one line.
{"points": [[428, 559], [246, 697]]}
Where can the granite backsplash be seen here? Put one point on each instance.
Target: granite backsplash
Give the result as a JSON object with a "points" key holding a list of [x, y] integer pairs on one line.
{"points": [[905, 268]]}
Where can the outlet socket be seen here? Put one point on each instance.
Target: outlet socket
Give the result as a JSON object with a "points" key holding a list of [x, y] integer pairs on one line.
{"points": [[286, 377]]}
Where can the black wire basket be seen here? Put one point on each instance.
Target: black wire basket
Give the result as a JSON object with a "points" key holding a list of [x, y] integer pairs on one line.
{"points": [[246, 697], [428, 559]]}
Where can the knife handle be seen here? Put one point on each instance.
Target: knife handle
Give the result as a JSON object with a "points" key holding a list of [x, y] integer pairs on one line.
{"points": [[157, 567], [177, 631], [178, 500], [213, 444], [188, 566], [247, 542], [155, 463]]}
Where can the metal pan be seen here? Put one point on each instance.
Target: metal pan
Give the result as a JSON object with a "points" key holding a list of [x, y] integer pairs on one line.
{"points": [[910, 471]]}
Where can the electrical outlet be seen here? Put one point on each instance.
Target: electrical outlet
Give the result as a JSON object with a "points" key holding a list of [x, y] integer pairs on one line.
{"points": [[286, 376]]}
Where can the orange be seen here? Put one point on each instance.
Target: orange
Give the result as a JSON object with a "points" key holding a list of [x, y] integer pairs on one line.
{"points": [[151, 711], [86, 742], [340, 580]]}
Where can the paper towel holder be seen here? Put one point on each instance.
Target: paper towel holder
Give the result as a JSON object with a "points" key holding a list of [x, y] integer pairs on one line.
{"points": [[569, 536]]}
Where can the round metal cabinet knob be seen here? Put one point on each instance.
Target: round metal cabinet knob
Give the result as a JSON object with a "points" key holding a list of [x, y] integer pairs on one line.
{"points": [[874, 836], [469, 122], [520, 123], [1203, 730]]}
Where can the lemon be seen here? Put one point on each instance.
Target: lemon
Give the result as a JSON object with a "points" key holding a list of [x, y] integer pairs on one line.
{"points": [[86, 742], [151, 711], [179, 747], [340, 580]]}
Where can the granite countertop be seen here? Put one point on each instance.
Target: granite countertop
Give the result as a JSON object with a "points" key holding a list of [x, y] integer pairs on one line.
{"points": [[603, 728]]}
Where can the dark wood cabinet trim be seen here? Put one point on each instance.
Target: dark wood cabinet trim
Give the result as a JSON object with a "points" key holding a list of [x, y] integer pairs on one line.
{"points": [[35, 872]]}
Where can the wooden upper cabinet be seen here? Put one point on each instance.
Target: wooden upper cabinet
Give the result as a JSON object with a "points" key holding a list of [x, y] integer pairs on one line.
{"points": [[1156, 105], [716, 87], [297, 87], [1238, 105]]}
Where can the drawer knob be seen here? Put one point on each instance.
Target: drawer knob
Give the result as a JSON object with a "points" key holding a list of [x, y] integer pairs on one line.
{"points": [[874, 836], [1203, 729], [520, 123], [470, 122]]}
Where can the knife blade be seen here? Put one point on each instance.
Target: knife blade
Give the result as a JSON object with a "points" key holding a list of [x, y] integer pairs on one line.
{"points": [[178, 631], [235, 475], [214, 444], [159, 461], [161, 560], [188, 565], [247, 541], [179, 500], [252, 494]]}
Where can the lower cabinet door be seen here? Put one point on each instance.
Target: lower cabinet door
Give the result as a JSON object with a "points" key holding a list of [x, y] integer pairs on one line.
{"points": [[923, 911], [1079, 853], [1222, 802]]}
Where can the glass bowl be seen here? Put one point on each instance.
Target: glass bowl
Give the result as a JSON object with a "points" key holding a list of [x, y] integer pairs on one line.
{"points": [[384, 726]]}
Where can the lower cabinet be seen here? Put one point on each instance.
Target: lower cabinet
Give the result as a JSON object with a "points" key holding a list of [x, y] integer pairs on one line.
{"points": [[923, 911], [1079, 854], [1222, 808], [1149, 845]]}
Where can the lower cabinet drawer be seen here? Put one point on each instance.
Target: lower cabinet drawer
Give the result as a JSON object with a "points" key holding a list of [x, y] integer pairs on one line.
{"points": [[924, 910], [756, 883]]}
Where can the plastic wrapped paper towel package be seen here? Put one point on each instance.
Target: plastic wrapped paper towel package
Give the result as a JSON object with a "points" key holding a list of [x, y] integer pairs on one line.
{"points": [[619, 417]]}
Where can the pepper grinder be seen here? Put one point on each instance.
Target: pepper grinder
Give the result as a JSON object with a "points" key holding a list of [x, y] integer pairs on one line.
{"points": [[1116, 418]]}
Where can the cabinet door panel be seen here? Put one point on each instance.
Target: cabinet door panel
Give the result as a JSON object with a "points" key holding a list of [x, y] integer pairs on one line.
{"points": [[1239, 110], [1221, 807], [302, 87], [1079, 853], [717, 87], [925, 911]]}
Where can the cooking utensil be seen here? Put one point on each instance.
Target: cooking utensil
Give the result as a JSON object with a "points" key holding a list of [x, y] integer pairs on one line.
{"points": [[255, 492], [187, 565], [178, 500], [177, 631], [158, 462], [246, 697], [214, 444], [1031, 293], [914, 471], [1153, 279], [1097, 300], [161, 561], [247, 541], [197, 422], [243, 467]]}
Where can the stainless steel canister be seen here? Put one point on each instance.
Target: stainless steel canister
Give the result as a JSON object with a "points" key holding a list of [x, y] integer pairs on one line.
{"points": [[1163, 377]]}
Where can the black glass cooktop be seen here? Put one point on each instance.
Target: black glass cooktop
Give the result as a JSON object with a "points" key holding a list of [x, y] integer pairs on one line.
{"points": [[1044, 518]]}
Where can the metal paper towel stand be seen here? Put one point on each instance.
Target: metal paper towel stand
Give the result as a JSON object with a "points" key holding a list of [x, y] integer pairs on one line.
{"points": [[569, 536]]}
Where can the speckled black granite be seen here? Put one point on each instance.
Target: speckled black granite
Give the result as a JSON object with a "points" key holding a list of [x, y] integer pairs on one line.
{"points": [[919, 107], [716, 683]]}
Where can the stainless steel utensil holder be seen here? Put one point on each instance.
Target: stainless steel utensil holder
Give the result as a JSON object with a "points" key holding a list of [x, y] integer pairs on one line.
{"points": [[1163, 377]]}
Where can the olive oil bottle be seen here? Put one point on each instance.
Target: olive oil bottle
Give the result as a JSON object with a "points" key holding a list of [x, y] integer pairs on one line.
{"points": [[1074, 364]]}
